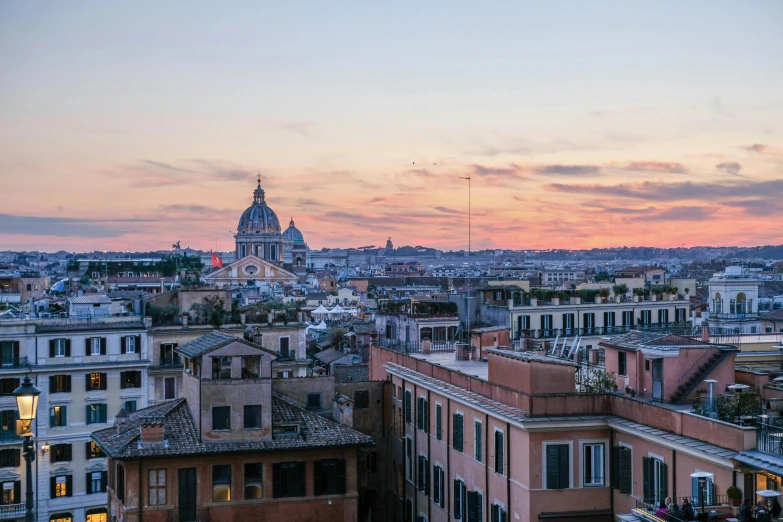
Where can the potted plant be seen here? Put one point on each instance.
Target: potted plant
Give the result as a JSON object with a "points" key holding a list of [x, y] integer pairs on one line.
{"points": [[735, 495]]}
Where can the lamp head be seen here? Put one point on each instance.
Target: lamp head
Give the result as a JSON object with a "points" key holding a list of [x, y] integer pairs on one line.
{"points": [[27, 403]]}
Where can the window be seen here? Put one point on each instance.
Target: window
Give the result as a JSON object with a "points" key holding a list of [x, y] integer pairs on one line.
{"points": [[313, 401], [221, 418], [168, 357], [557, 466], [93, 451], [120, 491], [361, 399], [59, 348], [12, 492], [456, 438], [61, 486], [423, 478], [475, 506], [95, 381], [130, 343], [130, 379], [10, 458], [372, 462], [170, 388], [477, 441], [621, 364], [438, 422], [655, 479], [593, 464], [96, 482], [252, 417], [438, 489], [285, 349], [408, 407], [663, 316], [646, 318], [329, 477], [288, 479], [97, 515], [60, 453], [251, 367], [422, 414], [459, 499], [408, 459], [130, 406], [622, 469], [647, 365], [497, 514], [254, 481], [60, 384], [7, 386], [628, 318], [499, 452], [588, 322], [283, 375], [221, 368], [221, 483], [61, 517], [95, 346], [58, 417], [95, 413]]}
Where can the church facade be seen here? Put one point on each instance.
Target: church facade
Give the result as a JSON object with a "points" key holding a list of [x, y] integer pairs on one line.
{"points": [[264, 253]]}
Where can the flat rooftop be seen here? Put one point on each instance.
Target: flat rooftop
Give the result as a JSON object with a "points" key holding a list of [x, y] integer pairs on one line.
{"points": [[449, 360]]}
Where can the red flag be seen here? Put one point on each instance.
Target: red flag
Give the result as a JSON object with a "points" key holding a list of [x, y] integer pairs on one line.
{"points": [[216, 261]]}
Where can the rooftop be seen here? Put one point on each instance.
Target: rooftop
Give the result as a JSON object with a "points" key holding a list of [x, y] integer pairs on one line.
{"points": [[212, 341], [640, 339], [81, 325], [448, 359], [182, 439], [329, 355], [90, 299], [351, 373]]}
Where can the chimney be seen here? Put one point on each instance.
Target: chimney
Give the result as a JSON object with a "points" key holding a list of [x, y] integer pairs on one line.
{"points": [[258, 336], [152, 429], [120, 420], [184, 320], [705, 332]]}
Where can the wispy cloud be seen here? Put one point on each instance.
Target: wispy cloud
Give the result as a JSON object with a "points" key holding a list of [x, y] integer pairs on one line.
{"points": [[731, 167], [652, 166], [303, 128], [67, 227], [568, 170], [165, 166], [682, 191]]}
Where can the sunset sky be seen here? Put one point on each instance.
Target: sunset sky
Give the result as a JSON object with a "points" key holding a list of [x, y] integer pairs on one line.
{"points": [[131, 125]]}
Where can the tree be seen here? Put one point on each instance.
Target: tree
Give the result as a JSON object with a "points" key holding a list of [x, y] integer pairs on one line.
{"points": [[211, 310], [335, 335], [597, 380]]}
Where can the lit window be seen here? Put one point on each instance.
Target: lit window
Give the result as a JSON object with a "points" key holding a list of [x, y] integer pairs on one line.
{"points": [[254, 479], [221, 483]]}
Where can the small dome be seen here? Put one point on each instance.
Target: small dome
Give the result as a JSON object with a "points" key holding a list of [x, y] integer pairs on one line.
{"points": [[259, 218], [293, 234]]}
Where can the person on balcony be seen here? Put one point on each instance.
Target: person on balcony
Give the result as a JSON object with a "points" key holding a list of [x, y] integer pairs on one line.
{"points": [[745, 511], [662, 512]]}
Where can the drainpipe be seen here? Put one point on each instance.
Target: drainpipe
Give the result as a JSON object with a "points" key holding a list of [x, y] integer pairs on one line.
{"points": [[611, 467], [508, 468], [674, 474], [429, 461], [448, 487], [486, 464], [141, 498], [415, 452]]}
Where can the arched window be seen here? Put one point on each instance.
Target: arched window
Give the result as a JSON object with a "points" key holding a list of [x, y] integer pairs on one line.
{"points": [[741, 303], [61, 517], [29, 287], [718, 303]]}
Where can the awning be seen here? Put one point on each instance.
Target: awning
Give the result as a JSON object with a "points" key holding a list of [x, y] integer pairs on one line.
{"points": [[760, 460], [320, 310]]}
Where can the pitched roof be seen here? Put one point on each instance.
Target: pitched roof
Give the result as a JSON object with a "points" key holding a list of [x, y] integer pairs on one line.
{"points": [[776, 315], [181, 434], [329, 355], [212, 341], [639, 339], [351, 372], [96, 325]]}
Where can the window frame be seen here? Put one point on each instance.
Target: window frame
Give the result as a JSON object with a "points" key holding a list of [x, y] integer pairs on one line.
{"points": [[622, 363], [227, 417], [478, 440], [259, 416], [502, 466], [583, 444], [221, 482], [255, 481], [544, 445]]}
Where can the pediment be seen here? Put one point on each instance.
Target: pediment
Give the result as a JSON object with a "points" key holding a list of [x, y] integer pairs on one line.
{"points": [[251, 267]]}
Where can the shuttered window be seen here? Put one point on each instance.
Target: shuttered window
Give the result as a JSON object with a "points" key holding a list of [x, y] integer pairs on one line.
{"points": [[475, 506], [60, 453], [457, 436], [497, 514], [621, 469], [288, 479], [439, 422], [477, 441], [407, 406], [329, 477], [655, 474], [438, 486], [557, 466], [499, 452], [459, 499], [422, 414], [60, 384], [423, 482]]}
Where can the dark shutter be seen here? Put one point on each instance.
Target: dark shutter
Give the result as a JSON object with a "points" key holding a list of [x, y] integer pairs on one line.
{"points": [[318, 477], [664, 492], [103, 481], [277, 481], [51, 347], [500, 450], [615, 478], [420, 412], [436, 488], [647, 470], [103, 410], [68, 452], [87, 381], [557, 467], [407, 406], [87, 419], [122, 379], [69, 485], [123, 344], [67, 347], [138, 379], [301, 479], [473, 501], [625, 471], [103, 346], [18, 491], [15, 349], [457, 504], [87, 350], [52, 487], [420, 472], [89, 484], [87, 450], [478, 453], [426, 416], [493, 513], [457, 438], [103, 381], [68, 383], [16, 458], [341, 477], [438, 422], [138, 344], [51, 384]]}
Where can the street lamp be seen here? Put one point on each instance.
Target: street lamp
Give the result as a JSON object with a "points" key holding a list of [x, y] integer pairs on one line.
{"points": [[27, 403], [702, 477]]}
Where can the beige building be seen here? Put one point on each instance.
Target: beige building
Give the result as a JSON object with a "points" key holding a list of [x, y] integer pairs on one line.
{"points": [[87, 372]]}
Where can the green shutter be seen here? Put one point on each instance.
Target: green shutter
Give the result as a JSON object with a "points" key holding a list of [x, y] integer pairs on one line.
{"points": [[552, 468], [457, 503], [499, 452], [626, 484], [457, 437], [407, 406], [318, 477], [647, 471], [664, 486], [564, 463], [438, 422], [477, 435], [473, 502], [426, 415], [615, 479]]}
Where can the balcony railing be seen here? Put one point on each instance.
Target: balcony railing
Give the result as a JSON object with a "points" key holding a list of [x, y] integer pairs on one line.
{"points": [[544, 333], [719, 503], [769, 439], [416, 346], [13, 362], [9, 436], [10, 511]]}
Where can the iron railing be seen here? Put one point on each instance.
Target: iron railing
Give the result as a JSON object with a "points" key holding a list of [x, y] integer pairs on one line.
{"points": [[769, 439], [13, 362], [711, 502], [416, 346], [539, 333]]}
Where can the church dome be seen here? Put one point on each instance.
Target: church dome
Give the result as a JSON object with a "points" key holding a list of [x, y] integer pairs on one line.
{"points": [[259, 218], [293, 234]]}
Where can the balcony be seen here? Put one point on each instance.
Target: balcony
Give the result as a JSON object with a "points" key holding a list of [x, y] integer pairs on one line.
{"points": [[551, 333], [10, 511], [9, 436], [13, 362], [769, 439]]}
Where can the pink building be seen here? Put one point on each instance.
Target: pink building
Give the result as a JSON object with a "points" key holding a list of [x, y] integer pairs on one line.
{"points": [[511, 440]]}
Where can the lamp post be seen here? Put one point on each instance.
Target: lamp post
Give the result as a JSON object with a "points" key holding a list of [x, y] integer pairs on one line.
{"points": [[702, 477], [27, 403]]}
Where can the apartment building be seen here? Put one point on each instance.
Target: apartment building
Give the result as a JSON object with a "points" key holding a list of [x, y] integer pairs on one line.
{"points": [[165, 372], [87, 371], [230, 448], [512, 439], [562, 276]]}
